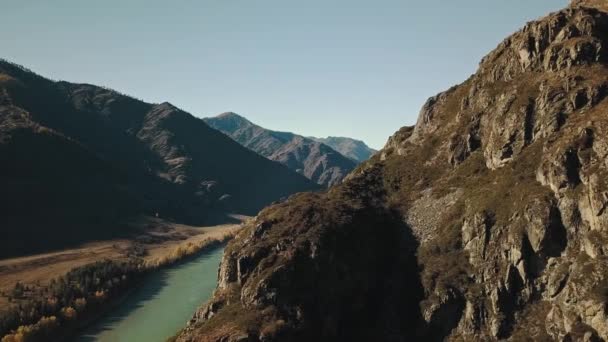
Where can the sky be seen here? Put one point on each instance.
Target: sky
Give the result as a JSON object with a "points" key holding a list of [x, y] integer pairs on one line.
{"points": [[353, 68]]}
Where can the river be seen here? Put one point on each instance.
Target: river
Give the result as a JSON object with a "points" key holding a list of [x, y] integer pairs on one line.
{"points": [[160, 307]]}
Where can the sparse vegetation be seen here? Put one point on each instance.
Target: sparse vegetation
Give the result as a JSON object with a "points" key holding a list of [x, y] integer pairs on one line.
{"points": [[188, 249], [48, 312], [444, 263]]}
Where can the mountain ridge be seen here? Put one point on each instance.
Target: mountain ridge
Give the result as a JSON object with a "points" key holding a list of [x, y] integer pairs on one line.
{"points": [[354, 149], [158, 160], [316, 161]]}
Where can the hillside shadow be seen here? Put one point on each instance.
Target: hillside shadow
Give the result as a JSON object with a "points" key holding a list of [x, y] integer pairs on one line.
{"points": [[410, 292]]}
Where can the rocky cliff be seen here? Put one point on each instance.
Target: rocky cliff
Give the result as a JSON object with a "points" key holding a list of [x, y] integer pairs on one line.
{"points": [[312, 159], [485, 221]]}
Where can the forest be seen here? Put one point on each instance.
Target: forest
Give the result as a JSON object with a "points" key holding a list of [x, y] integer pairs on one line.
{"points": [[38, 310]]}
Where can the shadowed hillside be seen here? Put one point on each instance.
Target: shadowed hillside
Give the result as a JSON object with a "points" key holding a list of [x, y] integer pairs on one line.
{"points": [[78, 159]]}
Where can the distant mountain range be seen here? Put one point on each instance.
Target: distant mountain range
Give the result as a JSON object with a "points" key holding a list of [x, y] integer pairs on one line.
{"points": [[77, 159], [354, 149], [311, 157]]}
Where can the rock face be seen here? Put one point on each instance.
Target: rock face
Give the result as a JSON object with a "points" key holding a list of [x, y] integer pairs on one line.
{"points": [[501, 188], [312, 159], [322, 258], [78, 159], [354, 149]]}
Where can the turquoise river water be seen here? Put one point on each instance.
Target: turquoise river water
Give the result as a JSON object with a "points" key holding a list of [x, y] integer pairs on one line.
{"points": [[160, 307]]}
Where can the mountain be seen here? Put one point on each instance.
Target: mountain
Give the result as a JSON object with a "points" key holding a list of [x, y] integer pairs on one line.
{"points": [[354, 149], [316, 161], [78, 159], [485, 221]]}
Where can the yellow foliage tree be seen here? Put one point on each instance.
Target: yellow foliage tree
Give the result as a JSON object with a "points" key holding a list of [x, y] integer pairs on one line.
{"points": [[80, 304], [69, 313]]}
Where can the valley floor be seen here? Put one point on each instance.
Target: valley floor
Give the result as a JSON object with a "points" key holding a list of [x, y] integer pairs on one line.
{"points": [[156, 243]]}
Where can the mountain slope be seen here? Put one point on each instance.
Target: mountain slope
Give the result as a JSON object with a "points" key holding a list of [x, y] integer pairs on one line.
{"points": [[354, 149], [501, 183], [78, 159], [316, 161]]}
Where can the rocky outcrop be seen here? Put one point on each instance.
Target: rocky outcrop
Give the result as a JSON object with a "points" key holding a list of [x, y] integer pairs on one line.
{"points": [[502, 185], [287, 280], [311, 158]]}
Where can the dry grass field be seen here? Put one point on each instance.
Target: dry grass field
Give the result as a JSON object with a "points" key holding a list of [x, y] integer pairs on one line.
{"points": [[158, 240]]}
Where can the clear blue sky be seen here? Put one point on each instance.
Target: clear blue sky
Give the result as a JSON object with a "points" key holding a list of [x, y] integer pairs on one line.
{"points": [[315, 67]]}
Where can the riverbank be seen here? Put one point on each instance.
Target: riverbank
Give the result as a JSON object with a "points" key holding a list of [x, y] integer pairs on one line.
{"points": [[157, 239], [59, 291], [159, 308]]}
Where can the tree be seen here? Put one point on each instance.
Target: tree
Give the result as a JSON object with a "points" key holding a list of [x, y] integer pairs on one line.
{"points": [[69, 313]]}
